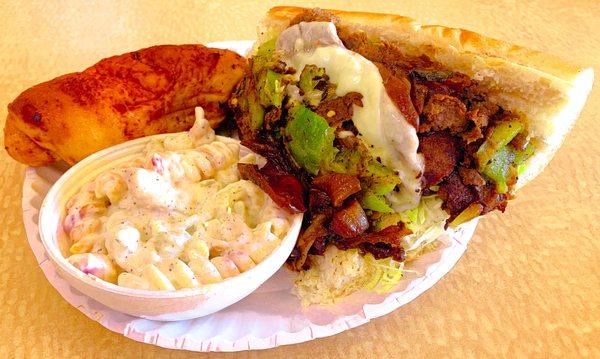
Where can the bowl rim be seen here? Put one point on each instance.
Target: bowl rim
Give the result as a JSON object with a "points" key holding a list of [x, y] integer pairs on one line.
{"points": [[54, 254]]}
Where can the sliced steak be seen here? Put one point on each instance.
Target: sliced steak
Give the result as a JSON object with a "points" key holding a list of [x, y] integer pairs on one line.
{"points": [[338, 186], [444, 112], [398, 89], [456, 195], [419, 95], [441, 155], [339, 109], [283, 188], [471, 176]]}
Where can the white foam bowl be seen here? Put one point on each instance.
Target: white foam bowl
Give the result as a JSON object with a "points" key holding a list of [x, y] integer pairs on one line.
{"points": [[157, 305]]}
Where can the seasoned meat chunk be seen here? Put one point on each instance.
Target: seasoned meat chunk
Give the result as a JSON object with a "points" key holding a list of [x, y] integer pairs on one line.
{"points": [[491, 199], [471, 176], [419, 95], [319, 201], [456, 195], [338, 186], [441, 156], [443, 112], [398, 89], [339, 109], [480, 116]]}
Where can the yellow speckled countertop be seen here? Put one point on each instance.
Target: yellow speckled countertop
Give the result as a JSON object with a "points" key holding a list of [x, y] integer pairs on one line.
{"points": [[528, 285]]}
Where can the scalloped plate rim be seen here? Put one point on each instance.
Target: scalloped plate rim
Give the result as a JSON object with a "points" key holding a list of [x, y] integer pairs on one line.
{"points": [[217, 343]]}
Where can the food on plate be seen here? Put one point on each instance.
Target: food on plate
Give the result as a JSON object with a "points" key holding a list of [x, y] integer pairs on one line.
{"points": [[386, 132], [176, 216], [141, 93]]}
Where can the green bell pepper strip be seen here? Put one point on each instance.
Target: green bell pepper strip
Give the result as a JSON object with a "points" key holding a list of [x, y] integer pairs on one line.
{"points": [[375, 203], [309, 78], [501, 135], [347, 162], [498, 168], [263, 56], [267, 48], [311, 139], [382, 179], [260, 62], [257, 112], [271, 89], [522, 156]]}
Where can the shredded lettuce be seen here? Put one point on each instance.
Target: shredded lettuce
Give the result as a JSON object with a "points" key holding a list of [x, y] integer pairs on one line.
{"points": [[384, 274], [427, 222], [337, 274]]}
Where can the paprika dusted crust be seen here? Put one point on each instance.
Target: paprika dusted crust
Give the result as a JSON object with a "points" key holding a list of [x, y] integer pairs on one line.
{"points": [[141, 93]]}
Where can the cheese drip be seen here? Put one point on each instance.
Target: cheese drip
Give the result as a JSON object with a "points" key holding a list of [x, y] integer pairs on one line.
{"points": [[381, 125]]}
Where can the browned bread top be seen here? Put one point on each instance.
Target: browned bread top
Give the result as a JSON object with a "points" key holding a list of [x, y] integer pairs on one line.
{"points": [[145, 92]]}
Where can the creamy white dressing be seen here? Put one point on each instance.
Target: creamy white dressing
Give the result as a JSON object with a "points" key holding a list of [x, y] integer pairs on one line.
{"points": [[381, 125], [177, 216]]}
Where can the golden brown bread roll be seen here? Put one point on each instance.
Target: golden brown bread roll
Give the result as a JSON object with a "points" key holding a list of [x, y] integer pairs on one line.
{"points": [[141, 93]]}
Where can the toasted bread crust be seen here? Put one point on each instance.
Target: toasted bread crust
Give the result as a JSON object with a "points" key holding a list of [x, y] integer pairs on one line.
{"points": [[462, 40]]}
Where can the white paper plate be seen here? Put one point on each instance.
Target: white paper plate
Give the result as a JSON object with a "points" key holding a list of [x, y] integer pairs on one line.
{"points": [[269, 317]]}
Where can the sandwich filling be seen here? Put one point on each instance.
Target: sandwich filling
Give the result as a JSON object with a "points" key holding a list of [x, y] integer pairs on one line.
{"points": [[381, 150]]}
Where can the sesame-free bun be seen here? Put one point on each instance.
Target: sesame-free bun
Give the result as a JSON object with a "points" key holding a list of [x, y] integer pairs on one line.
{"points": [[547, 91]]}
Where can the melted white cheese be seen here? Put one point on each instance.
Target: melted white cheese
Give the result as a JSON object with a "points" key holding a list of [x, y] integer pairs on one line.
{"points": [[381, 125]]}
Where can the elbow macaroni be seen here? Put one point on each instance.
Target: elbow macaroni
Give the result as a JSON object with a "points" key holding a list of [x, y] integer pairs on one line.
{"points": [[177, 217]]}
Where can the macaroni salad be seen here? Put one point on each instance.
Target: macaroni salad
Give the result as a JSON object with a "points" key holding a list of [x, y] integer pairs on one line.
{"points": [[178, 216]]}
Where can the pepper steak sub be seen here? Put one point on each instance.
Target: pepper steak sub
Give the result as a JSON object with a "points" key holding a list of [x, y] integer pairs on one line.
{"points": [[385, 132]]}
